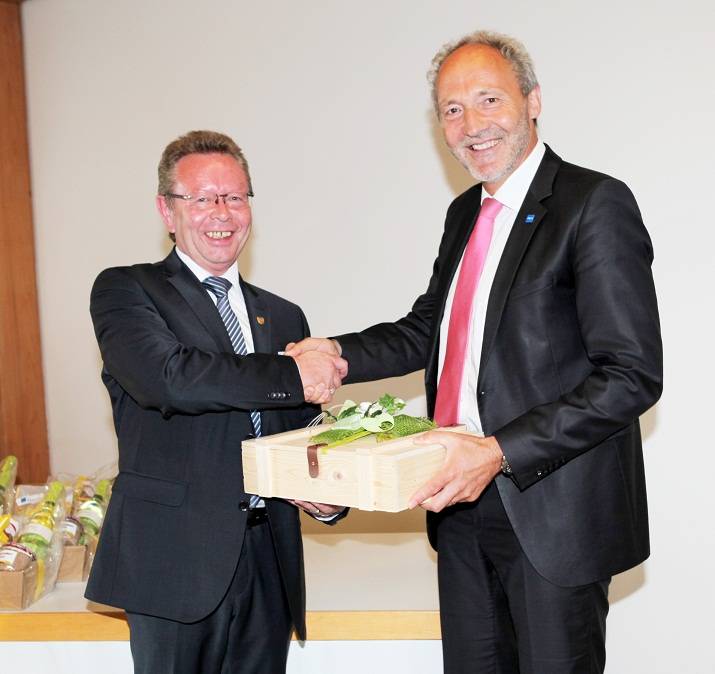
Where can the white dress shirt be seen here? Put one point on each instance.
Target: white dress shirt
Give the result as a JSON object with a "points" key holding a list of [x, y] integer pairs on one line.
{"points": [[235, 296], [511, 195]]}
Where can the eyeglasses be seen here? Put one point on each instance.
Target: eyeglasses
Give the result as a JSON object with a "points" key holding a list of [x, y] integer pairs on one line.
{"points": [[205, 202]]}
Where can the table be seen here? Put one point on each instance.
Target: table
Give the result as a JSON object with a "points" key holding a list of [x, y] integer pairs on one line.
{"points": [[371, 599]]}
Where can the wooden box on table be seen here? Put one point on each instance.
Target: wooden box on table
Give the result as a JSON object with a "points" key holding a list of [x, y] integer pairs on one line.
{"points": [[363, 474]]}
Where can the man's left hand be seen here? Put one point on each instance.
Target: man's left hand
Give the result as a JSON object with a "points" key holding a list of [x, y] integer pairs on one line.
{"points": [[318, 509], [470, 464]]}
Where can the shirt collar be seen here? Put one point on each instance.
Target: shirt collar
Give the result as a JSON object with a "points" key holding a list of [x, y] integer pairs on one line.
{"points": [[200, 273], [515, 187]]}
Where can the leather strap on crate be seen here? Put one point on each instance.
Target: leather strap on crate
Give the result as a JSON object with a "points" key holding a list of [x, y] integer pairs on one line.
{"points": [[313, 466]]}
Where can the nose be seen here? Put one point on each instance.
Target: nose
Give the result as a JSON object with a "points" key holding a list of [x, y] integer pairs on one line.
{"points": [[220, 210], [474, 121]]}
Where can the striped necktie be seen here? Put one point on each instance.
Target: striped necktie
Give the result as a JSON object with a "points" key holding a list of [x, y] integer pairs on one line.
{"points": [[220, 286]]}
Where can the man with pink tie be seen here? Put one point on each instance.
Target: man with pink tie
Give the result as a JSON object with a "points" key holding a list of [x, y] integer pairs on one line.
{"points": [[539, 331]]}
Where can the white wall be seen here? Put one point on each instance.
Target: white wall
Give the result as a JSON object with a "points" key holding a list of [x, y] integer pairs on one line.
{"points": [[330, 104], [313, 657]]}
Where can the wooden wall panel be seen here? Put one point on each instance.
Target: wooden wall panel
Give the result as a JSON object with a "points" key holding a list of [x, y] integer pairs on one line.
{"points": [[23, 427]]}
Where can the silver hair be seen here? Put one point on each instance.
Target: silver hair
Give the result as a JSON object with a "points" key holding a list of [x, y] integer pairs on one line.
{"points": [[510, 48]]}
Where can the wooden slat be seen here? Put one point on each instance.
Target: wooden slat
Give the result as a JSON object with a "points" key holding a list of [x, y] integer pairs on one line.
{"points": [[322, 626], [373, 625], [23, 427], [63, 627]]}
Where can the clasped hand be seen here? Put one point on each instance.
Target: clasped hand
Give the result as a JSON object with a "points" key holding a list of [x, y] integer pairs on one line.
{"points": [[321, 368], [322, 371]]}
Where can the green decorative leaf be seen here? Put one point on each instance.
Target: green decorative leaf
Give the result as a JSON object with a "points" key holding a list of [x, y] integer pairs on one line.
{"points": [[391, 404], [344, 441], [407, 425], [348, 408], [380, 421], [332, 435], [355, 421]]}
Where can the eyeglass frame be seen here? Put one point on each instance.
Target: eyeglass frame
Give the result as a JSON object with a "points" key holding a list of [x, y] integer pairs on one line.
{"points": [[189, 197]]}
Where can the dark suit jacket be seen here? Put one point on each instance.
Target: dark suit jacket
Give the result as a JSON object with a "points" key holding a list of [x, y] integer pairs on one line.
{"points": [[180, 397], [571, 358]]}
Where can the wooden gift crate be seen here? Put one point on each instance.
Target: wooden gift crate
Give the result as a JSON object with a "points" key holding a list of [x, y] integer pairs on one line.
{"points": [[363, 474]]}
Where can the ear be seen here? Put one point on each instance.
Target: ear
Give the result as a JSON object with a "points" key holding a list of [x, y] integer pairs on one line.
{"points": [[166, 213], [533, 102]]}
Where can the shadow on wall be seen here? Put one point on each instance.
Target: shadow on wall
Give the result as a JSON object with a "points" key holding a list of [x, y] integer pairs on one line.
{"points": [[649, 422], [626, 583], [629, 582]]}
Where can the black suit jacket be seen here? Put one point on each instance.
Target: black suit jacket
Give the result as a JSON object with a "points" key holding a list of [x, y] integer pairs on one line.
{"points": [[571, 358], [181, 398]]}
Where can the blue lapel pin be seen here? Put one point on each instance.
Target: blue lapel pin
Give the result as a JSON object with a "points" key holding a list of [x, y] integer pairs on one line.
{"points": [[530, 218]]}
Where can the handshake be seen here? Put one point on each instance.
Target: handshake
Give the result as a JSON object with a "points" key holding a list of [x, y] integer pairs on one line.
{"points": [[321, 368]]}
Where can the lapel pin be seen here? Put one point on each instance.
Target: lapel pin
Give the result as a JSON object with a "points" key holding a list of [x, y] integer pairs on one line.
{"points": [[530, 218], [260, 320]]}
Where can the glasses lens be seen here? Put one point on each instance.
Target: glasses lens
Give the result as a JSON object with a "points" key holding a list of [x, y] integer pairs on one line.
{"points": [[204, 201], [234, 200]]}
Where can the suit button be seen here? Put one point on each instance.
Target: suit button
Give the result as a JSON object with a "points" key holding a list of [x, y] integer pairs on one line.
{"points": [[271, 396], [243, 506], [482, 394], [538, 473], [288, 395]]}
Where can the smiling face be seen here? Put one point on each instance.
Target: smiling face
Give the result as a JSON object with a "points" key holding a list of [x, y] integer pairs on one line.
{"points": [[486, 120], [213, 237]]}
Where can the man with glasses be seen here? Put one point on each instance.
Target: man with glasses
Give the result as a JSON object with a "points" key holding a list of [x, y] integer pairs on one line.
{"points": [[211, 578]]}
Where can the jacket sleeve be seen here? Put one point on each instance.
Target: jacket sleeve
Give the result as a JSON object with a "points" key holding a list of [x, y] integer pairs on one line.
{"points": [[618, 319], [394, 349], [158, 371], [390, 349]]}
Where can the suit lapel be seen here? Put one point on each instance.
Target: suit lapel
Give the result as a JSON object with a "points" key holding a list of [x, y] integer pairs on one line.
{"points": [[523, 229], [189, 287], [259, 318]]}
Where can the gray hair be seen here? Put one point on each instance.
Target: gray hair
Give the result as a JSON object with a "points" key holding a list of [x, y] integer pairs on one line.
{"points": [[510, 48]]}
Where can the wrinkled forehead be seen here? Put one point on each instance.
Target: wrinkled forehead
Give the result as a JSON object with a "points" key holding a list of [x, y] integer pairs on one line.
{"points": [[211, 172], [476, 66]]}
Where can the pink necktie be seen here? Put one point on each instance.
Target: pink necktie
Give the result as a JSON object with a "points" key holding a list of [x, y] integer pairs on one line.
{"points": [[446, 410]]}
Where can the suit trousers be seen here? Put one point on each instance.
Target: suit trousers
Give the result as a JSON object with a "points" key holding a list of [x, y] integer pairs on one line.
{"points": [[248, 633], [498, 615]]}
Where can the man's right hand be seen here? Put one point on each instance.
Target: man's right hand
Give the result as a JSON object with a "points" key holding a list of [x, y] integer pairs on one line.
{"points": [[320, 372], [322, 344]]}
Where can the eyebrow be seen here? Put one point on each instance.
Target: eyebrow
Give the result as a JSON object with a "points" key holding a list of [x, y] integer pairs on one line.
{"points": [[482, 92], [490, 91]]}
